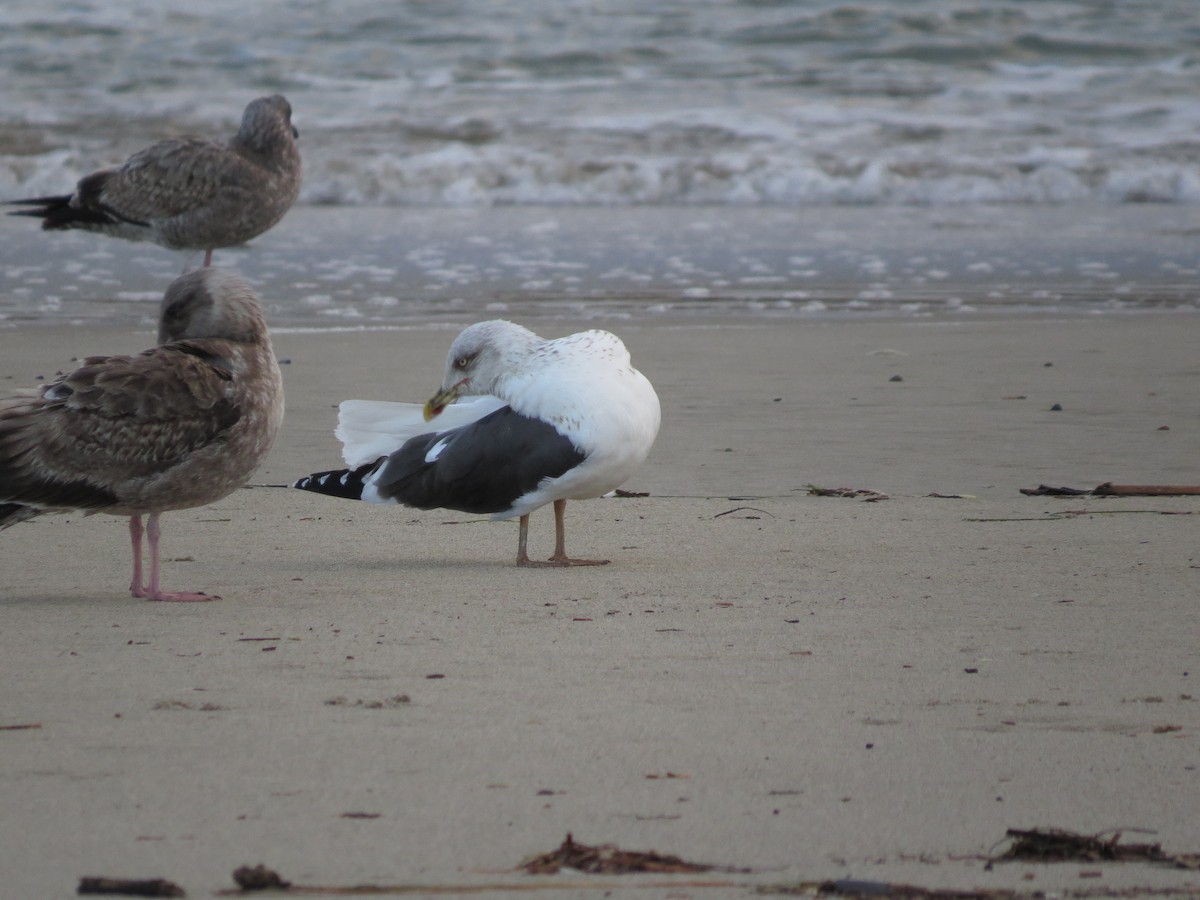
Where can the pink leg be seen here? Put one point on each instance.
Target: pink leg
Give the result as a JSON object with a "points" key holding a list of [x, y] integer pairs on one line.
{"points": [[135, 538], [152, 590], [560, 557], [208, 257]]}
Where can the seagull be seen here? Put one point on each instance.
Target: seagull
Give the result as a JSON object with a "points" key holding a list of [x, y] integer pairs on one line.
{"points": [[542, 421], [189, 193], [180, 425]]}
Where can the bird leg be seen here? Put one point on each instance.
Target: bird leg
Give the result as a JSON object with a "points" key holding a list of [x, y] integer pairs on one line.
{"points": [[560, 557], [135, 538], [522, 538], [208, 257], [152, 590]]}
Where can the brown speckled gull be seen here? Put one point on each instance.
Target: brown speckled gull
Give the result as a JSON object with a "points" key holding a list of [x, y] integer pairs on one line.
{"points": [[190, 193], [177, 426]]}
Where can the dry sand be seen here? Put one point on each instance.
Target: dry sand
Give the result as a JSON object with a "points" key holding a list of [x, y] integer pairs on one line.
{"points": [[810, 687]]}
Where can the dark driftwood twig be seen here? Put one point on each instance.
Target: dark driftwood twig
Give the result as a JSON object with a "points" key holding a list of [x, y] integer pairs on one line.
{"points": [[1108, 489], [130, 887]]}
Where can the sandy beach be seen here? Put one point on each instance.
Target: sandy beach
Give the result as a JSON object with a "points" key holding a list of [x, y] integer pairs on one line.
{"points": [[805, 687], [890, 266]]}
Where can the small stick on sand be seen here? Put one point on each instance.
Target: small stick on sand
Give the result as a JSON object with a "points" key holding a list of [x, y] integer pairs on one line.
{"points": [[1108, 489]]}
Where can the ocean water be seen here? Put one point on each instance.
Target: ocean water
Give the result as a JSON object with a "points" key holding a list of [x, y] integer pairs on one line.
{"points": [[633, 157], [629, 102]]}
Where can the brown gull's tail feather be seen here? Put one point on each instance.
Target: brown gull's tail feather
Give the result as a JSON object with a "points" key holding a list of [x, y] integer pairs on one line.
{"points": [[57, 213]]}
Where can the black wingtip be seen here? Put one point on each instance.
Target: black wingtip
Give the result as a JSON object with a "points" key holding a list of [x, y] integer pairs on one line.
{"points": [[12, 513], [345, 483], [57, 213], [40, 206], [38, 201]]}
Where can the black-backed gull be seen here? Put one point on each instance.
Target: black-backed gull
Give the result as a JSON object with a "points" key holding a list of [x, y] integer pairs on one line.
{"points": [[544, 421]]}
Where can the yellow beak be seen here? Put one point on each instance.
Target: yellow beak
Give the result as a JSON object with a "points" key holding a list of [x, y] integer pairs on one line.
{"points": [[442, 399]]}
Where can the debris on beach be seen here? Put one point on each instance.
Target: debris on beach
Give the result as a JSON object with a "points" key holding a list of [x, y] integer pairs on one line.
{"points": [[398, 701], [744, 509], [1108, 489], [183, 704], [622, 492], [854, 887], [1045, 490], [608, 859], [258, 878], [865, 494], [129, 887], [1057, 845]]}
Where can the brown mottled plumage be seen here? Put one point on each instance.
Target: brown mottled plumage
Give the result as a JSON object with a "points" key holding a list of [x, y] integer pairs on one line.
{"points": [[180, 425], [190, 193]]}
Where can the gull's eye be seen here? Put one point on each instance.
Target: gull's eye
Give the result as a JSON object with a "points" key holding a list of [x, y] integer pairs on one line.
{"points": [[463, 361]]}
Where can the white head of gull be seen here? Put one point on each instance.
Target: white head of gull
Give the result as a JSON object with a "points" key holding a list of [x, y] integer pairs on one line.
{"points": [[542, 421], [180, 425], [189, 193]]}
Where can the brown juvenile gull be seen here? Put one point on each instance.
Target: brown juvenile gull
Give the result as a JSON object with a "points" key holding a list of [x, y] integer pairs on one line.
{"points": [[557, 420], [190, 193], [177, 426]]}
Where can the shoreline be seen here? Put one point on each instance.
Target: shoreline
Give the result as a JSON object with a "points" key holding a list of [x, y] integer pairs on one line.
{"points": [[349, 266]]}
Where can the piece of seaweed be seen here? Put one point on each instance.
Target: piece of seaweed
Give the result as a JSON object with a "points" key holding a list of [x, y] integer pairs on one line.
{"points": [[606, 859], [1058, 845]]}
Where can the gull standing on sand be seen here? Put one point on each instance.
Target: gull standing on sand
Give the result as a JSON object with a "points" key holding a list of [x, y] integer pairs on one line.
{"points": [[557, 420], [177, 426], [189, 193]]}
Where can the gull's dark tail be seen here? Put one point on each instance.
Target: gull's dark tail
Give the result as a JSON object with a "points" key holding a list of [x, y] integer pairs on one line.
{"points": [[345, 483], [12, 513], [57, 213]]}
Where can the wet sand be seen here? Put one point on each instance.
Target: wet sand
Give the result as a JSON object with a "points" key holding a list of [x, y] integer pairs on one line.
{"points": [[371, 267], [809, 687]]}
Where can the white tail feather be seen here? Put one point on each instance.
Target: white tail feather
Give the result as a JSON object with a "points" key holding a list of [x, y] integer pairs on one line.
{"points": [[369, 429]]}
